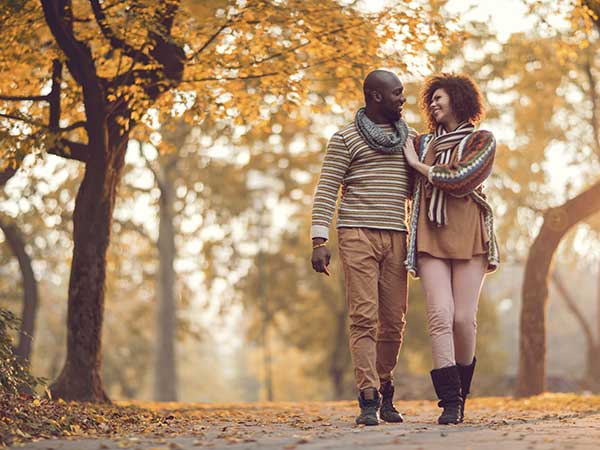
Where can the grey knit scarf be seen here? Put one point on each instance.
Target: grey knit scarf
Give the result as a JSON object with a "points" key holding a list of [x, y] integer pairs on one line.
{"points": [[376, 138]]}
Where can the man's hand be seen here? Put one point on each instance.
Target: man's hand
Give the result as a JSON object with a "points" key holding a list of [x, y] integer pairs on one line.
{"points": [[320, 257]]}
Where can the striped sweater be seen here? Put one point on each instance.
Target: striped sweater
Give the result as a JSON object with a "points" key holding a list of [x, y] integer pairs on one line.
{"points": [[376, 185], [473, 164]]}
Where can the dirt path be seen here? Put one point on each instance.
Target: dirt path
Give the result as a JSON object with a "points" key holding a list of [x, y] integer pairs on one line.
{"points": [[492, 424]]}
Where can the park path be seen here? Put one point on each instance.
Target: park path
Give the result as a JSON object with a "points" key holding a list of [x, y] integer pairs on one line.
{"points": [[492, 424]]}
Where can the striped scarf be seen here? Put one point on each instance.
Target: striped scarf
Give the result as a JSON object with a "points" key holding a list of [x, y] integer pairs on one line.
{"points": [[443, 143]]}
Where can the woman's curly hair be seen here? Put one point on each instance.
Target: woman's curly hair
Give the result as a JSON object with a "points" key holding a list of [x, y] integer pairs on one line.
{"points": [[465, 97]]}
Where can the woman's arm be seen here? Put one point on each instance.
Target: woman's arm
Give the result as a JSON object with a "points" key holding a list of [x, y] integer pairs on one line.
{"points": [[462, 177], [413, 159], [475, 165]]}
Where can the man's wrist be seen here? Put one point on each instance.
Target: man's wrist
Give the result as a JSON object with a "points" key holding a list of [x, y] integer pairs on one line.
{"points": [[318, 242]]}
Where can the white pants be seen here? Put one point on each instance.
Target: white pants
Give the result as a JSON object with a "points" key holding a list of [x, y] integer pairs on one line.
{"points": [[452, 289]]}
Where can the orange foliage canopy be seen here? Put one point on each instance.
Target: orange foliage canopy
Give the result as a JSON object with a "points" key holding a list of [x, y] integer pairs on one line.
{"points": [[243, 60]]}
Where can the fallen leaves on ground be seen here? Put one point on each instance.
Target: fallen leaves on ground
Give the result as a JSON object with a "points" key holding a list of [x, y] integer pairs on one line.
{"points": [[24, 419]]}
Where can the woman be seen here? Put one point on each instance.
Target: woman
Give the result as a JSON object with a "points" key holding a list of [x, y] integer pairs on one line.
{"points": [[451, 243]]}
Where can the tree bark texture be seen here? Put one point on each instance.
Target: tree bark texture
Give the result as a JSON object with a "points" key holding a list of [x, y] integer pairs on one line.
{"points": [[558, 221], [16, 243], [80, 377]]}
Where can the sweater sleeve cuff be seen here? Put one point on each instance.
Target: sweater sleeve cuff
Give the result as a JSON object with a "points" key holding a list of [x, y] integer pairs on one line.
{"points": [[430, 173], [319, 231]]}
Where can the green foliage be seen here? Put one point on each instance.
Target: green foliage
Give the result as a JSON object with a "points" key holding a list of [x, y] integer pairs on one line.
{"points": [[14, 376]]}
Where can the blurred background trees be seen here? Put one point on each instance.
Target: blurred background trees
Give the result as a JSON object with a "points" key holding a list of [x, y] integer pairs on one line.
{"points": [[209, 293]]}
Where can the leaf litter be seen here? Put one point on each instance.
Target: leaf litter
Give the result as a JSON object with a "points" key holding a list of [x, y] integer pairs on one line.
{"points": [[24, 418]]}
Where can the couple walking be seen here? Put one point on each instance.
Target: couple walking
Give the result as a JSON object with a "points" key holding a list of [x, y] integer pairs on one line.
{"points": [[449, 243]]}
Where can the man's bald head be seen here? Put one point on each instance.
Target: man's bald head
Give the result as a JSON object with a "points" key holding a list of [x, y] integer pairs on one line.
{"points": [[379, 80], [384, 96]]}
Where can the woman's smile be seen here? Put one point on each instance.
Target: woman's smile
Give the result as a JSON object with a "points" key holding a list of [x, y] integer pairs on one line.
{"points": [[440, 107]]}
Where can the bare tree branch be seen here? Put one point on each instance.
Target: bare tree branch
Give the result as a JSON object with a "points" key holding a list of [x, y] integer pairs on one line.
{"points": [[268, 74], [70, 150], [59, 17], [73, 126], [24, 119], [587, 68], [324, 80], [129, 225], [244, 77], [139, 189], [291, 49], [54, 96], [212, 38], [277, 55], [165, 16], [299, 46], [24, 98], [164, 49], [29, 121], [64, 147]]}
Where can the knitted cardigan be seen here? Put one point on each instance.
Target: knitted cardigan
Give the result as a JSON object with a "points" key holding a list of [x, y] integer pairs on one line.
{"points": [[462, 178]]}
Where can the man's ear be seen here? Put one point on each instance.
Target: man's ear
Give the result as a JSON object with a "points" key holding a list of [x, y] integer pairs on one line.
{"points": [[376, 95]]}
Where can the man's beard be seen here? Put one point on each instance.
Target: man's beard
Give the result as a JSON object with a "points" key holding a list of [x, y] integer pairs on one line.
{"points": [[393, 115]]}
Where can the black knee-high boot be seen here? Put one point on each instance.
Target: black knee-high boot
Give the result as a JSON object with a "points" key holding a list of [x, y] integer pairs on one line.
{"points": [[446, 382], [466, 376]]}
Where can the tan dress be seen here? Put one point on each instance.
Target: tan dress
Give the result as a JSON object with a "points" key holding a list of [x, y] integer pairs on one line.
{"points": [[463, 236]]}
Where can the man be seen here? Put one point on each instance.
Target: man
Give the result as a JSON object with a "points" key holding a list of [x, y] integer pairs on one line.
{"points": [[366, 157]]}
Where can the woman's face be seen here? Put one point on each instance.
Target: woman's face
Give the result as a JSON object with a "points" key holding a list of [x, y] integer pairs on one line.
{"points": [[440, 107]]}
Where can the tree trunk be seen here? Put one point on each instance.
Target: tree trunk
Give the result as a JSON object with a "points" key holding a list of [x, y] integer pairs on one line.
{"points": [[593, 362], [598, 306], [266, 316], [80, 377], [268, 361], [30, 290], [128, 390], [107, 127], [532, 346], [592, 375], [165, 383]]}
